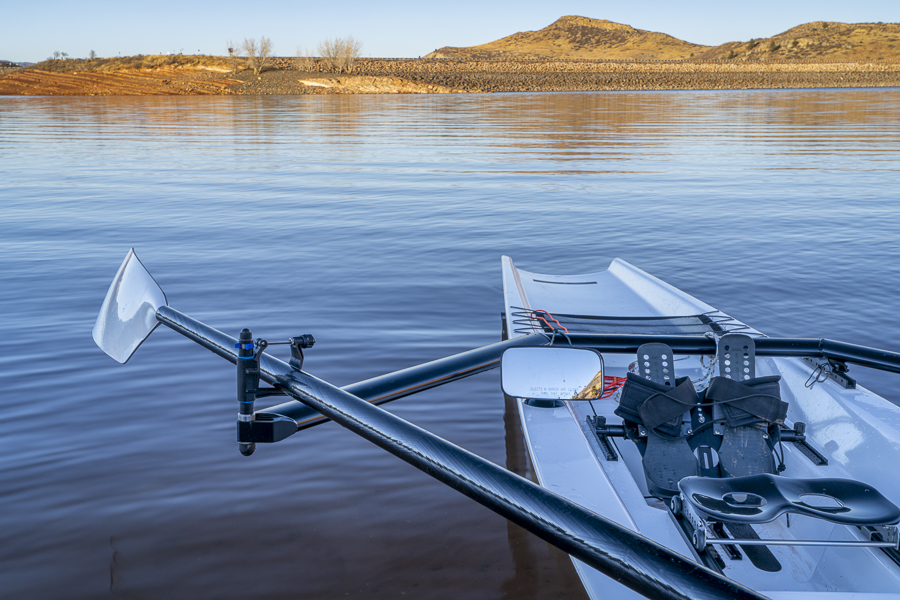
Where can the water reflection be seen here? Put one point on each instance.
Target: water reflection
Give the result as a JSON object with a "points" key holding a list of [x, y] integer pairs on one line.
{"points": [[376, 224]]}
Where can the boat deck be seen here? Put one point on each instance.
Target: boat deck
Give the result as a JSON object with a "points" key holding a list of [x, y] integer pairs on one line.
{"points": [[855, 429]]}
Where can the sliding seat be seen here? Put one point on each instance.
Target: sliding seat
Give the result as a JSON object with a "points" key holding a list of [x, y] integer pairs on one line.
{"points": [[756, 499]]}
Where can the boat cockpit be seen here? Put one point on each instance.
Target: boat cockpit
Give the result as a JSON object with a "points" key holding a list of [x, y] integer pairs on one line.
{"points": [[714, 456]]}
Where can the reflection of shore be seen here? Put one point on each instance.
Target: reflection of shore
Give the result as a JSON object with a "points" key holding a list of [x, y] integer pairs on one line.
{"points": [[543, 572], [592, 390]]}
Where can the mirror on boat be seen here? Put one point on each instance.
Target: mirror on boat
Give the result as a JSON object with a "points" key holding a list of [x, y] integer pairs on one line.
{"points": [[552, 373]]}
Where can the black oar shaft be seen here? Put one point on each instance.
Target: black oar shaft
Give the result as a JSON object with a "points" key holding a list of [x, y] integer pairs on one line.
{"points": [[631, 559], [399, 384], [635, 561]]}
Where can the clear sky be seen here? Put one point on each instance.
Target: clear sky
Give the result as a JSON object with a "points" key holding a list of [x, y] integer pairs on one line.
{"points": [[32, 31]]}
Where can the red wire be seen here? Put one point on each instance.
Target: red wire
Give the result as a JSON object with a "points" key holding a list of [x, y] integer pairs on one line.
{"points": [[545, 320], [611, 385]]}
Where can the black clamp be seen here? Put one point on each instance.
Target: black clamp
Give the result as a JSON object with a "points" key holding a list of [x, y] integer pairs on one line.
{"points": [[297, 345], [262, 427]]}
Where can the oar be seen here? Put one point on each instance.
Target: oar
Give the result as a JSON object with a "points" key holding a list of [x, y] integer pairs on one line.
{"points": [[134, 305]]}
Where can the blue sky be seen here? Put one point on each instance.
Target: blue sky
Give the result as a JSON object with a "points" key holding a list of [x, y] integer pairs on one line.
{"points": [[32, 31]]}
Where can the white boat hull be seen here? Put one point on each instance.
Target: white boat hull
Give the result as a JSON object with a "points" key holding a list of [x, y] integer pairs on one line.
{"points": [[857, 431]]}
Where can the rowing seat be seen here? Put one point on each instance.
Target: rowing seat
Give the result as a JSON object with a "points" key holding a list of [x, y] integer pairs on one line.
{"points": [[764, 498], [739, 502]]}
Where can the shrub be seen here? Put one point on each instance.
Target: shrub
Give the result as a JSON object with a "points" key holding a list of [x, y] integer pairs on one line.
{"points": [[259, 52], [340, 53]]}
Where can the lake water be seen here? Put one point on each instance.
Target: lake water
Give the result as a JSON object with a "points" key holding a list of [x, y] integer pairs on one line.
{"points": [[377, 224]]}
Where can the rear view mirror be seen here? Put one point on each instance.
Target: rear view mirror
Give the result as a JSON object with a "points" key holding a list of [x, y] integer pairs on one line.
{"points": [[552, 373]]}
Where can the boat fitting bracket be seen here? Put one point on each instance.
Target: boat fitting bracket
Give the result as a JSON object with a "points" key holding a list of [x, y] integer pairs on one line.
{"points": [[597, 424], [262, 427], [833, 369]]}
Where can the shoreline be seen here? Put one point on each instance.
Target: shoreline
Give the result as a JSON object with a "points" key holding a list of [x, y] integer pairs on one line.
{"points": [[429, 76]]}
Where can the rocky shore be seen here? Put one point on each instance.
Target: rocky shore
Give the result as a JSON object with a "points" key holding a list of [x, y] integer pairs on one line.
{"points": [[558, 75], [429, 76]]}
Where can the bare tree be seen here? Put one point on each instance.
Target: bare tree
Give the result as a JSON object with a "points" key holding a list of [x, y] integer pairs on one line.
{"points": [[351, 51], [303, 61], [340, 53], [259, 52], [92, 55], [328, 50]]}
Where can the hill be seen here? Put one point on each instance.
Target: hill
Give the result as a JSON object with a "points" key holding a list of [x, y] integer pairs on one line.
{"points": [[821, 40], [579, 37], [573, 37]]}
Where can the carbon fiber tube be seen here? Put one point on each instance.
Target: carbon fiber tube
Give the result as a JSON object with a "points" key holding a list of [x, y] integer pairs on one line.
{"points": [[399, 384], [393, 386], [629, 558]]}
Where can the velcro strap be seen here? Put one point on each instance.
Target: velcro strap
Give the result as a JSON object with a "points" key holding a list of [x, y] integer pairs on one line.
{"points": [[656, 406], [750, 401]]}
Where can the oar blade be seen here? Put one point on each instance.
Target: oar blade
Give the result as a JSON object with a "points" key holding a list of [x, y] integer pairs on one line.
{"points": [[128, 314]]}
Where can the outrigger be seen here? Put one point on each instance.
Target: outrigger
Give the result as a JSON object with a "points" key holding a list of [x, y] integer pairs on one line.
{"points": [[681, 453]]}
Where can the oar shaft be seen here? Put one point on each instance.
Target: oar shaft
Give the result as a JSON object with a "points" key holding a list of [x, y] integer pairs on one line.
{"points": [[631, 559]]}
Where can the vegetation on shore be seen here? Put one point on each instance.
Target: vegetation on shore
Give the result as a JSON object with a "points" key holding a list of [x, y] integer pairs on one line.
{"points": [[338, 55], [140, 61]]}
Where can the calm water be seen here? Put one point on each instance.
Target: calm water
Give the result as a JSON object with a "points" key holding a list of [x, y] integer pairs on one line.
{"points": [[377, 224]]}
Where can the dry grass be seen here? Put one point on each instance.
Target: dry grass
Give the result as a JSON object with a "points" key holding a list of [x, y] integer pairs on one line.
{"points": [[304, 61], [141, 61]]}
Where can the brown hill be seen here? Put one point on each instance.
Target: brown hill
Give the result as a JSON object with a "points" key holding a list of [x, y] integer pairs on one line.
{"points": [[579, 37], [821, 40], [583, 38]]}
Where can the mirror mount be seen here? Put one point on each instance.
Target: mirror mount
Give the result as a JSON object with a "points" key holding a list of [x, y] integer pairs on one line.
{"points": [[544, 403]]}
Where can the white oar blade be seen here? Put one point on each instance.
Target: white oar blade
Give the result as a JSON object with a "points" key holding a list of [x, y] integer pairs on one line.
{"points": [[128, 314]]}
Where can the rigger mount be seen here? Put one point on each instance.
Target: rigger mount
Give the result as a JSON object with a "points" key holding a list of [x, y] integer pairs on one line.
{"points": [[262, 427]]}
